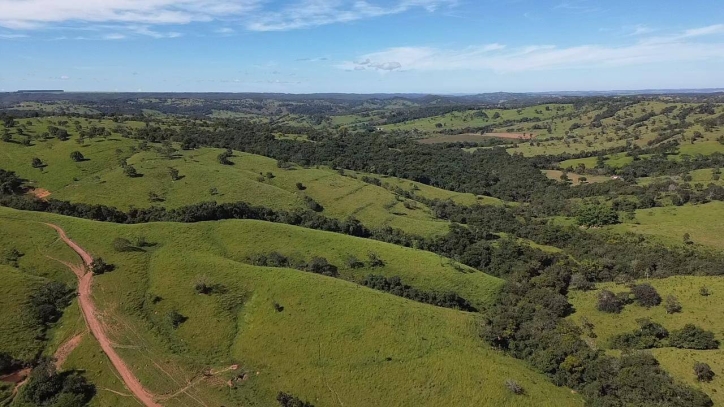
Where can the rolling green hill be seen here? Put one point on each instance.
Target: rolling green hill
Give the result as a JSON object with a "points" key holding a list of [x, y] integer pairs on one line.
{"points": [[254, 179], [333, 341]]}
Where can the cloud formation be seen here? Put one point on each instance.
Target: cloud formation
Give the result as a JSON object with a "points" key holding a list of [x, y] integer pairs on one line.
{"points": [[254, 15], [683, 46], [311, 13]]}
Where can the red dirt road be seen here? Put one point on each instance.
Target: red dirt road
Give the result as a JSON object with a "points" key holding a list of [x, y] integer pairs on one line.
{"points": [[85, 279]]}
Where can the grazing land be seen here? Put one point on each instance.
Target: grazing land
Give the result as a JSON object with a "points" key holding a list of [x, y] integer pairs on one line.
{"points": [[325, 250]]}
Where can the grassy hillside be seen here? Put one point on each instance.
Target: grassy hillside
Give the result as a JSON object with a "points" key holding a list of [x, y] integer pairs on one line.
{"points": [[254, 179], [348, 343], [696, 309], [701, 222]]}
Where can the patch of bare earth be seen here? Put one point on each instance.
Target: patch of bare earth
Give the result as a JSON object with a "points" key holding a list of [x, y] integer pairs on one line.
{"points": [[40, 193], [61, 355]]}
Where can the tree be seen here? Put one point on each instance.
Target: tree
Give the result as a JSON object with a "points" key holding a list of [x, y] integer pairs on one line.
{"points": [[47, 387], [596, 216], [8, 122], [7, 363], [580, 282], [703, 372], [77, 156], [646, 295], [173, 172], [704, 291], [672, 305], [687, 239], [130, 171], [223, 158], [7, 137], [320, 265], [301, 186], [609, 302], [99, 266], [10, 183], [288, 400], [37, 163], [693, 337], [167, 150]]}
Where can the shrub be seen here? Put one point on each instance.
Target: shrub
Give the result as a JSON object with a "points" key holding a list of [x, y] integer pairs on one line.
{"points": [[704, 291], [99, 266], [375, 260], [300, 186], [672, 305], [395, 286], [288, 400], [7, 363], [77, 156], [693, 337], [648, 336], [703, 372], [11, 257], [276, 259], [173, 173], [175, 318], [130, 171], [37, 163], [581, 283], [122, 245], [320, 265], [223, 158], [313, 205], [10, 183], [353, 262], [609, 302], [596, 216], [514, 387], [46, 387], [47, 303], [646, 295]]}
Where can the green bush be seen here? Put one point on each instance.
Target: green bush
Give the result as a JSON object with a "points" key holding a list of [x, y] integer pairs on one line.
{"points": [[693, 337], [596, 216]]}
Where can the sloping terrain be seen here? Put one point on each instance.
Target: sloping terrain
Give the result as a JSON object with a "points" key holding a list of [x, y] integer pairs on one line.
{"points": [[323, 339]]}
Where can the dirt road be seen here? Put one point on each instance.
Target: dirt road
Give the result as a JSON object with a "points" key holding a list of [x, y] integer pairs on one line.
{"points": [[85, 280]]}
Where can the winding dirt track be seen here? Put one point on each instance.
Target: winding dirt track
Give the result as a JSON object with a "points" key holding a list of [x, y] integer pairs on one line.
{"points": [[85, 279]]}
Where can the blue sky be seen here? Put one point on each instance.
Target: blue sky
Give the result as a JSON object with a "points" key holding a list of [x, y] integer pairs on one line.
{"points": [[361, 46]]}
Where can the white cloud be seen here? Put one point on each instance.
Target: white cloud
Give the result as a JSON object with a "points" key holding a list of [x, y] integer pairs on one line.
{"points": [[710, 30], [28, 14], [255, 15], [639, 30], [311, 13], [12, 36], [496, 57], [114, 36]]}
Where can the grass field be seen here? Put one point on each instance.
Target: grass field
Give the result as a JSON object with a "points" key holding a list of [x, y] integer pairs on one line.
{"points": [[379, 349], [100, 180], [575, 178], [701, 222], [696, 309], [470, 118]]}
